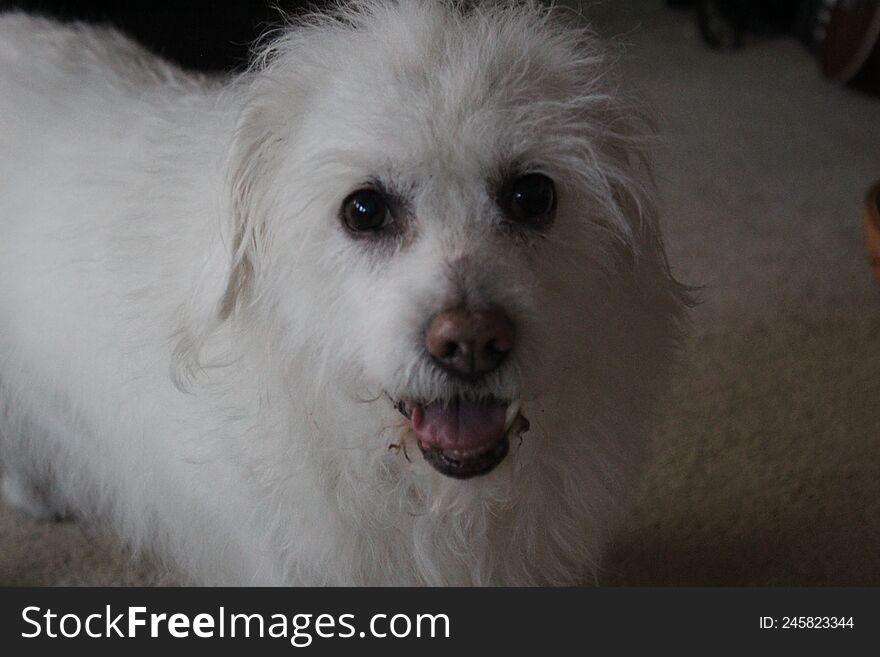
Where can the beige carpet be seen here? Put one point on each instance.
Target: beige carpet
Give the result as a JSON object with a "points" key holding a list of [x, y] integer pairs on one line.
{"points": [[766, 465]]}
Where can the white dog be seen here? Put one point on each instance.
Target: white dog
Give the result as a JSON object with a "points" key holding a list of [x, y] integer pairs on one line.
{"points": [[390, 308]]}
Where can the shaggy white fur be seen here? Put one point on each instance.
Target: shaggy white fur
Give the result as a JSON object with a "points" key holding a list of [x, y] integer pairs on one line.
{"points": [[196, 349]]}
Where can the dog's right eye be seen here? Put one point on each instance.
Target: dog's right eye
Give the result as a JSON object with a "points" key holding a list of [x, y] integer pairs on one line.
{"points": [[365, 211]]}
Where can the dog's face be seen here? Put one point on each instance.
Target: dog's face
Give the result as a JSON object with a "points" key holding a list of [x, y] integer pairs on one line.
{"points": [[445, 216], [442, 242]]}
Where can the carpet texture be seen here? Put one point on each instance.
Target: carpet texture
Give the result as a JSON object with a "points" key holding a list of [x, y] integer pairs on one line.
{"points": [[765, 463]]}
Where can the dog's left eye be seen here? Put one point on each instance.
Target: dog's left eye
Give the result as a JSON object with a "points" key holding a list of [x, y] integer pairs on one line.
{"points": [[365, 210], [529, 200]]}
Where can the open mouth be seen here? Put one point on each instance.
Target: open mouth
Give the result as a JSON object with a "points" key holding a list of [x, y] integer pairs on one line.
{"points": [[462, 438]]}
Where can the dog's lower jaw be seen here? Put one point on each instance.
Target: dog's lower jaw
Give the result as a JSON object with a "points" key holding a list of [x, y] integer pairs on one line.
{"points": [[459, 455], [457, 465]]}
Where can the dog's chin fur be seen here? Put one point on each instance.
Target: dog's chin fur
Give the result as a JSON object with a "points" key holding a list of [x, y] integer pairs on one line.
{"points": [[195, 350]]}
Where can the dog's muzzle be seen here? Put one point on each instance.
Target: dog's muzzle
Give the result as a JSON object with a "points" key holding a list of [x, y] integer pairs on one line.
{"points": [[464, 439]]}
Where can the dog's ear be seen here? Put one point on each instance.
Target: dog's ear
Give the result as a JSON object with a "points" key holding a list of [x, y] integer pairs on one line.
{"points": [[228, 274], [250, 173]]}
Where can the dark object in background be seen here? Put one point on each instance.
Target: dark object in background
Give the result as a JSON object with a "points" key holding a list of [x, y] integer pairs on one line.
{"points": [[812, 22], [724, 24], [850, 53], [872, 227], [845, 34], [197, 34]]}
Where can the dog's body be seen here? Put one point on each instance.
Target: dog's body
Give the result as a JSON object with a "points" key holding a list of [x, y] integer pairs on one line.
{"points": [[195, 348]]}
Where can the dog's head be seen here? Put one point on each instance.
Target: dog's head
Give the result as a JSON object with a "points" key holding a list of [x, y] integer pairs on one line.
{"points": [[445, 212]]}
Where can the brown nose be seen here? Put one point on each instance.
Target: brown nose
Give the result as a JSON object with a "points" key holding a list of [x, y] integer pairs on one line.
{"points": [[469, 343]]}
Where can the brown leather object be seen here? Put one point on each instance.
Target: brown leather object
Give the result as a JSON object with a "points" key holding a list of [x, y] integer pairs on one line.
{"points": [[850, 52], [872, 227]]}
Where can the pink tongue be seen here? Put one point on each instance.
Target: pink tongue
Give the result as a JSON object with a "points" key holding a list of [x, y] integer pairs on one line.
{"points": [[459, 424]]}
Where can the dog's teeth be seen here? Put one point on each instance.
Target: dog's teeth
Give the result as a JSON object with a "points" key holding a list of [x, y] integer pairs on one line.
{"points": [[512, 412], [404, 409]]}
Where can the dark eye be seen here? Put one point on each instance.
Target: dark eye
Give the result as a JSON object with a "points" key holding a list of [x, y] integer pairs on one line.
{"points": [[530, 199], [365, 210]]}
